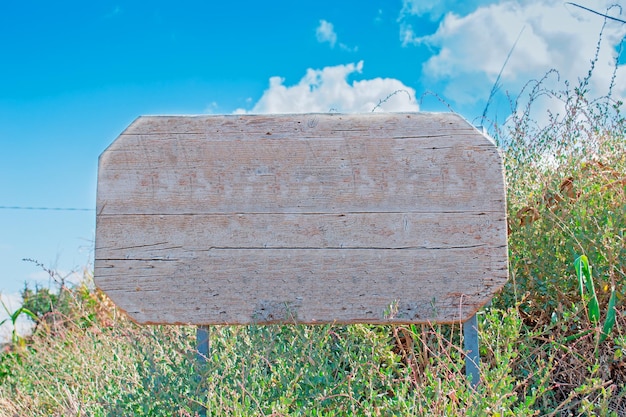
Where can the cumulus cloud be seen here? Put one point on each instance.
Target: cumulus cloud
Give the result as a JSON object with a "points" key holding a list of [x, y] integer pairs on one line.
{"points": [[325, 32], [211, 108], [435, 9], [432, 10], [471, 48], [328, 89]]}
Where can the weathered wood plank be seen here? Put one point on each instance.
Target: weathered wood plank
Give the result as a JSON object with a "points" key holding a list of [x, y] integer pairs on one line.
{"points": [[340, 170], [314, 218], [307, 126], [154, 235], [234, 286]]}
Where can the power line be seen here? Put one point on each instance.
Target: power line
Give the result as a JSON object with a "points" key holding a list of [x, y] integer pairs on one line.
{"points": [[45, 208], [598, 13]]}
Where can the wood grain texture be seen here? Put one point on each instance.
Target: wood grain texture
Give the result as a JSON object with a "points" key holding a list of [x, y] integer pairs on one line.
{"points": [[373, 218]]}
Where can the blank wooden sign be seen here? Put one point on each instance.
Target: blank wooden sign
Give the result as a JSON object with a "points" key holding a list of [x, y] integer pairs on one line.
{"points": [[320, 218]]}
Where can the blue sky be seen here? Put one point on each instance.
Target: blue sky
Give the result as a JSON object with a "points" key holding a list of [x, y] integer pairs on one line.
{"points": [[75, 74]]}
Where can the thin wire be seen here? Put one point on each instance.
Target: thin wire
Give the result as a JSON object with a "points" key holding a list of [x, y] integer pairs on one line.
{"points": [[45, 208], [598, 13], [496, 85]]}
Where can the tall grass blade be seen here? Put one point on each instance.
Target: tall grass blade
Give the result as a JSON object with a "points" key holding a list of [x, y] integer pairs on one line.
{"points": [[609, 322], [583, 271]]}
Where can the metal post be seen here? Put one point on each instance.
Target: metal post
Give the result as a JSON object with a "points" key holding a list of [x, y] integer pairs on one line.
{"points": [[472, 358], [204, 349], [202, 343]]}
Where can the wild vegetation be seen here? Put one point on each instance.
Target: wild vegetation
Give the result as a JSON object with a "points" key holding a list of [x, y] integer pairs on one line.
{"points": [[553, 342]]}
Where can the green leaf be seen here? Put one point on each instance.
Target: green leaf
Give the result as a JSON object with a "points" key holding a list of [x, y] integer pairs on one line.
{"points": [[583, 270], [578, 265], [609, 322], [24, 310], [594, 310]]}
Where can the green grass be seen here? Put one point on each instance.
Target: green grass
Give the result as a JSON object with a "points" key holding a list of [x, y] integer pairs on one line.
{"points": [[113, 367], [542, 351]]}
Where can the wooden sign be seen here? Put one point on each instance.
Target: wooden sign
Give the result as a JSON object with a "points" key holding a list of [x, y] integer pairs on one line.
{"points": [[319, 218]]}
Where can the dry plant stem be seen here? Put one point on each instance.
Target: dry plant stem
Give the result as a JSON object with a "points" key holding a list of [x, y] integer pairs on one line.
{"points": [[424, 349], [408, 352], [571, 404]]}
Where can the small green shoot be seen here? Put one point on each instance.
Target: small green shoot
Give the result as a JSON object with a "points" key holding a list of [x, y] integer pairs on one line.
{"points": [[609, 322], [585, 283], [15, 338]]}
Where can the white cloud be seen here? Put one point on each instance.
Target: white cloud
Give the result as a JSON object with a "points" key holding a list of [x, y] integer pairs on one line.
{"points": [[211, 108], [325, 32], [115, 12], [328, 89], [435, 9], [379, 17], [472, 47], [348, 48]]}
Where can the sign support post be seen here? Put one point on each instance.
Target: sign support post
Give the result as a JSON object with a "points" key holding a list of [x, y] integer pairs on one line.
{"points": [[203, 344], [472, 358]]}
